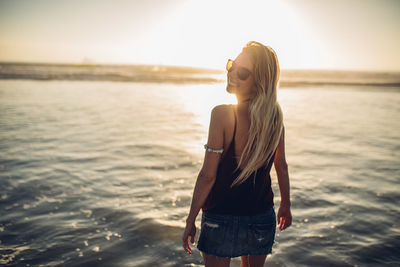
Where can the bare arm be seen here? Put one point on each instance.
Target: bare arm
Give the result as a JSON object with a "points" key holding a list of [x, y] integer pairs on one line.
{"points": [[207, 175], [284, 215]]}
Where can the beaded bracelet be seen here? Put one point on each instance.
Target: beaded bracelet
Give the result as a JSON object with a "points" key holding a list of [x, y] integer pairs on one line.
{"points": [[213, 150]]}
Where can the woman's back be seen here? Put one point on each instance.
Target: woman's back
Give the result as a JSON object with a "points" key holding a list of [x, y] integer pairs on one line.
{"points": [[242, 129], [252, 196]]}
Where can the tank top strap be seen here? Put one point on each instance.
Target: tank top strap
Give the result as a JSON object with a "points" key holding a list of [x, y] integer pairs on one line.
{"points": [[234, 129]]}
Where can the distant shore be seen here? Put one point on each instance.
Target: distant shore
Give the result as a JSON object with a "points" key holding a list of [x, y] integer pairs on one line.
{"points": [[178, 74]]}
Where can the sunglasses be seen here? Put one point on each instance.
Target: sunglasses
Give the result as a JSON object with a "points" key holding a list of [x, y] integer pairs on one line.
{"points": [[242, 72]]}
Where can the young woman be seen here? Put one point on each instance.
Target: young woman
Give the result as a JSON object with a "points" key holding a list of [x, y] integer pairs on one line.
{"points": [[233, 188]]}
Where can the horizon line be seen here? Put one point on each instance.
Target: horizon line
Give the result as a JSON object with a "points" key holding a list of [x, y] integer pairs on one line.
{"points": [[95, 63]]}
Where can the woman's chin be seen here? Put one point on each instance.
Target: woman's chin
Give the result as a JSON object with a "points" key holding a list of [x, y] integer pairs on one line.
{"points": [[230, 89]]}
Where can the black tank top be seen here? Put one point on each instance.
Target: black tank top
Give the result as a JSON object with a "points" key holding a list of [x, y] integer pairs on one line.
{"points": [[252, 197]]}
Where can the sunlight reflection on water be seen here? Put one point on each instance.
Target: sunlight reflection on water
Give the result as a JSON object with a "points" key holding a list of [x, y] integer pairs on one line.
{"points": [[95, 170]]}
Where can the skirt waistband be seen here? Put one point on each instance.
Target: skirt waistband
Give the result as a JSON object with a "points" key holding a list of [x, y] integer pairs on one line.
{"points": [[247, 218]]}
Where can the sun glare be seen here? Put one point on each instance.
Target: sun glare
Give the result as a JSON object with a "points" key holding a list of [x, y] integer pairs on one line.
{"points": [[206, 33]]}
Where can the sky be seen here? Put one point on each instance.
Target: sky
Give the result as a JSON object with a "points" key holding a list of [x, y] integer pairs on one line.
{"points": [[306, 34]]}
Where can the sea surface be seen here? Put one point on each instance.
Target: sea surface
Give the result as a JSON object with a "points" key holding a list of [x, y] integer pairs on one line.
{"points": [[100, 172]]}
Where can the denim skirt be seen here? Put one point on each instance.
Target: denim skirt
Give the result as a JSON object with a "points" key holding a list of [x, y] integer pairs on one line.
{"points": [[233, 236]]}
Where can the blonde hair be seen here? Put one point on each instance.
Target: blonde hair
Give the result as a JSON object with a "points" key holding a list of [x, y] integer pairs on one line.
{"points": [[266, 118]]}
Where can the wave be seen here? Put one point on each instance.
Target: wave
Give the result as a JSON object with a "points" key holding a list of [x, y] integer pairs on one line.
{"points": [[122, 73], [306, 78], [175, 74]]}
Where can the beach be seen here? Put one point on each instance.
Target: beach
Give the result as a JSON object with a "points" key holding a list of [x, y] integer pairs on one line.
{"points": [[100, 172]]}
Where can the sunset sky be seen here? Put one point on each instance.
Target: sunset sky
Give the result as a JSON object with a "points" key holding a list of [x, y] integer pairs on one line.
{"points": [[312, 34]]}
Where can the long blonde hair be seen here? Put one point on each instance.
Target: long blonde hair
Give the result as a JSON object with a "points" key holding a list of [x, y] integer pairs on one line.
{"points": [[266, 118]]}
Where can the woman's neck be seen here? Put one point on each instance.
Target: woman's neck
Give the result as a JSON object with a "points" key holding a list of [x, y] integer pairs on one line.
{"points": [[244, 101]]}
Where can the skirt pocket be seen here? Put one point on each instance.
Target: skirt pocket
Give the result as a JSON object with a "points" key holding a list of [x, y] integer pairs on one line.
{"points": [[212, 233], [261, 235]]}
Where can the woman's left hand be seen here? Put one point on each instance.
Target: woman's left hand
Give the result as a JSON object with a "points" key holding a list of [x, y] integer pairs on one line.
{"points": [[284, 217], [190, 231]]}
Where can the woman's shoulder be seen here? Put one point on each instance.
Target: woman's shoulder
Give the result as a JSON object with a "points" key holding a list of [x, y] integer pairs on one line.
{"points": [[223, 108], [220, 113]]}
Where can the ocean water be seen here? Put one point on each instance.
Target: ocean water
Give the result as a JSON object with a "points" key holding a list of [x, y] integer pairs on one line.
{"points": [[101, 173]]}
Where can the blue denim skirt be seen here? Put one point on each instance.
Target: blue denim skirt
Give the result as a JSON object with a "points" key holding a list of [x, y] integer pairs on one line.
{"points": [[233, 236]]}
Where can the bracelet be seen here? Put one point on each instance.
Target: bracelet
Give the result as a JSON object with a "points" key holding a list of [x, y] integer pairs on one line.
{"points": [[213, 150]]}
